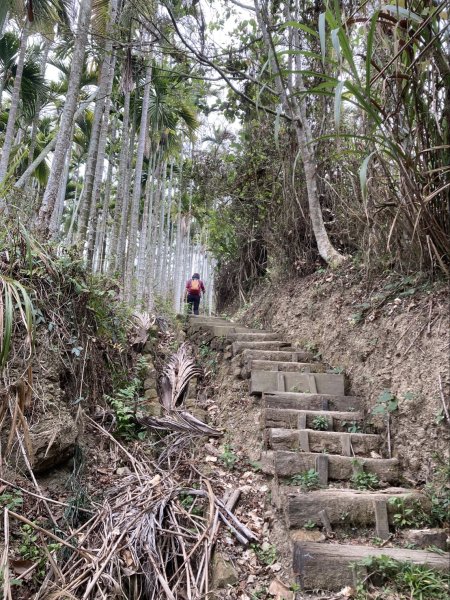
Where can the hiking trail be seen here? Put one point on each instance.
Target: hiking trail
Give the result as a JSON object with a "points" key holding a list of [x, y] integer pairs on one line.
{"points": [[317, 442]]}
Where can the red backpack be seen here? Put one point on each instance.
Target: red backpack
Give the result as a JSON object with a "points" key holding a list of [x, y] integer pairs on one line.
{"points": [[195, 287]]}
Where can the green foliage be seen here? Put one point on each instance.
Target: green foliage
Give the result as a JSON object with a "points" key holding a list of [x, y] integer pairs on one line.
{"points": [[267, 556], [320, 423], [228, 457], [208, 357], [365, 481], [386, 403], [310, 524], [15, 304], [306, 481], [123, 402], [11, 500], [402, 579], [31, 548], [352, 426], [438, 491], [189, 503], [407, 514]]}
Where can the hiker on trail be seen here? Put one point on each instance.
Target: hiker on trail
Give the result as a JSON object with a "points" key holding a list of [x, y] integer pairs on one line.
{"points": [[194, 289]]}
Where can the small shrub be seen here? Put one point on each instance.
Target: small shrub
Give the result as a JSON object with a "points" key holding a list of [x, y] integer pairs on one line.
{"points": [[407, 516], [365, 481], [306, 481], [123, 404], [267, 555], [228, 457], [320, 423], [352, 426]]}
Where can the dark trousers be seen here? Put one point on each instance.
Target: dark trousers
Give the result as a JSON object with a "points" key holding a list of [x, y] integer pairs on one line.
{"points": [[193, 303]]}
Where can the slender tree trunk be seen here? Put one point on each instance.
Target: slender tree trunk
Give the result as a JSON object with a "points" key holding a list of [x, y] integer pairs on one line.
{"points": [[100, 238], [87, 201], [295, 107], [23, 179], [153, 173], [166, 242], [161, 226], [135, 201], [120, 257], [100, 164], [121, 177], [39, 102], [63, 138], [12, 115]]}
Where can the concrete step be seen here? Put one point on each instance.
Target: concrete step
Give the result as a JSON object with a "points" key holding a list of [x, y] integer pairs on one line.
{"points": [[342, 506], [340, 468], [330, 566], [295, 419], [331, 442], [238, 347], [294, 355], [217, 329], [313, 383], [304, 401]]}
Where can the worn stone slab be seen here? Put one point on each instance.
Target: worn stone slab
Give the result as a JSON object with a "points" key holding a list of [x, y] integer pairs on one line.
{"points": [[304, 401], [343, 506], [290, 418], [381, 518], [286, 464], [329, 566], [423, 538], [294, 367], [322, 468], [238, 347], [294, 355], [253, 336], [360, 444], [324, 383]]}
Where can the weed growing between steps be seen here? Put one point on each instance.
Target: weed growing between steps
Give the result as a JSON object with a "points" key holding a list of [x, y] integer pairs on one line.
{"points": [[389, 579]]}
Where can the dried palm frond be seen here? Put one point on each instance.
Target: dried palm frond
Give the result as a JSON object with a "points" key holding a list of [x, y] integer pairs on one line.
{"points": [[178, 372], [142, 323]]}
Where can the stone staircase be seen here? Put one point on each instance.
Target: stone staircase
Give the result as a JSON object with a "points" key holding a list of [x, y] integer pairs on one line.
{"points": [[309, 422]]}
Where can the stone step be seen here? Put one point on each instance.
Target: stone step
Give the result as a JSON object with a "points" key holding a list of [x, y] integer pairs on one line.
{"points": [[313, 383], [340, 468], [331, 442], [270, 365], [296, 419], [219, 330], [303, 401], [286, 367], [330, 566], [342, 506], [238, 347], [294, 355], [252, 336]]}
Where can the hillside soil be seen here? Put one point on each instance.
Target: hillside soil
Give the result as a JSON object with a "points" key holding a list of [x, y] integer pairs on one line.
{"points": [[388, 335]]}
